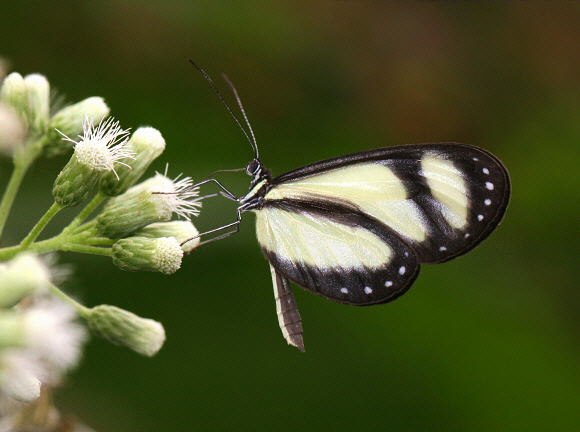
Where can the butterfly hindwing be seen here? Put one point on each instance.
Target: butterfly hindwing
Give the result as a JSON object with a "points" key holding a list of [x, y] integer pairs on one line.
{"points": [[334, 250], [441, 199]]}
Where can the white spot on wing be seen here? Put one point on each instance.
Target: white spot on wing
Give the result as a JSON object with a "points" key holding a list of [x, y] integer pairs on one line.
{"points": [[442, 248], [489, 185], [485, 171], [466, 235], [402, 270], [388, 283], [480, 217], [344, 290], [475, 159], [487, 202], [368, 290]]}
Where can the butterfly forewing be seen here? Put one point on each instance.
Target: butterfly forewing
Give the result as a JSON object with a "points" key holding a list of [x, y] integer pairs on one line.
{"points": [[334, 250], [441, 199]]}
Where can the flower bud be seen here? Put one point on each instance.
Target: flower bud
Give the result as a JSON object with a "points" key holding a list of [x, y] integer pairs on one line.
{"points": [[14, 93], [147, 144], [124, 328], [179, 230], [69, 122], [22, 276], [162, 255], [98, 150], [153, 200], [38, 90], [12, 131]]}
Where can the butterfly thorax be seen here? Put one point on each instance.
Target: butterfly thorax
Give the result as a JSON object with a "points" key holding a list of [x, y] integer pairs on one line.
{"points": [[254, 199]]}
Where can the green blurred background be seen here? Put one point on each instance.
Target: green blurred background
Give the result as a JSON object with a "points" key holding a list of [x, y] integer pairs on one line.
{"points": [[488, 342]]}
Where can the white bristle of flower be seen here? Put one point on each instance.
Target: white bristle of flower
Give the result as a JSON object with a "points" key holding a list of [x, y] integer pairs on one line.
{"points": [[102, 146], [53, 336], [168, 255], [17, 375], [177, 196]]}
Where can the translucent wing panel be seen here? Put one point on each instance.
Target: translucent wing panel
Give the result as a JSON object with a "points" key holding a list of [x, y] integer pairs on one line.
{"points": [[335, 251], [442, 199]]}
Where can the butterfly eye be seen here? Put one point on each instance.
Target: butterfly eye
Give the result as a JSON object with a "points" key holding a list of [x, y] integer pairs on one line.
{"points": [[253, 167]]}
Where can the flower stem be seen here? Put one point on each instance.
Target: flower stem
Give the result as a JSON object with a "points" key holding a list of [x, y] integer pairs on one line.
{"points": [[22, 162], [10, 193], [88, 249], [44, 220], [99, 198], [81, 310]]}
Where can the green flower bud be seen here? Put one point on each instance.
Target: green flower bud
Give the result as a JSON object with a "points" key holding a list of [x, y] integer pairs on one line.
{"points": [[21, 277], [69, 122], [153, 200], [14, 93], [162, 255], [147, 144], [179, 230], [38, 90], [124, 328], [97, 151]]}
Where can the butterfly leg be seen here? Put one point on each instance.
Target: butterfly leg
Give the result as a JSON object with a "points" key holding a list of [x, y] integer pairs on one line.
{"points": [[288, 315], [235, 224], [226, 193]]}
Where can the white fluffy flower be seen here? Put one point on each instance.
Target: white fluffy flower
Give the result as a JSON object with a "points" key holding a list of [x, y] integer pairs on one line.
{"points": [[175, 196], [102, 146], [50, 345]]}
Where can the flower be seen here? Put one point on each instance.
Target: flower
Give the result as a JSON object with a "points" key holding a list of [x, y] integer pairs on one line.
{"points": [[102, 146], [122, 327], [69, 122], [154, 200], [97, 150], [13, 93], [12, 131], [38, 90], [50, 343], [22, 276], [182, 231], [147, 144], [162, 254]]}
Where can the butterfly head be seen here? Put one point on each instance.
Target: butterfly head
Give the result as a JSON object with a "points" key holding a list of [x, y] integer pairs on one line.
{"points": [[254, 167]]}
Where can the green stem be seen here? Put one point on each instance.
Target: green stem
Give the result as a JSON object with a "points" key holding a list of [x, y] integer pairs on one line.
{"points": [[22, 162], [10, 193], [82, 248], [98, 199], [44, 220], [63, 243], [81, 310]]}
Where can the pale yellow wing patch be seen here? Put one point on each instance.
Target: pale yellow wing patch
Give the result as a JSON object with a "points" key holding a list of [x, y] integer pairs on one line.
{"points": [[318, 242], [448, 187], [371, 187]]}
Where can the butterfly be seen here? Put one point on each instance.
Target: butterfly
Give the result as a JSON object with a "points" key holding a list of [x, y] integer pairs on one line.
{"points": [[356, 228]]}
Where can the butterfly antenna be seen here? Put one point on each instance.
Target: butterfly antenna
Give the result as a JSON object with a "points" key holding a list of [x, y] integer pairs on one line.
{"points": [[210, 81], [255, 145]]}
